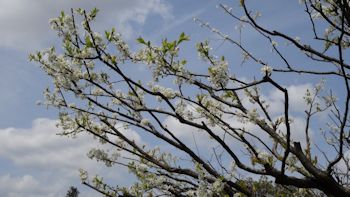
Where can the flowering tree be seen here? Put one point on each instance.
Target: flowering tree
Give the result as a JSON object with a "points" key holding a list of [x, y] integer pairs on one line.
{"points": [[95, 95]]}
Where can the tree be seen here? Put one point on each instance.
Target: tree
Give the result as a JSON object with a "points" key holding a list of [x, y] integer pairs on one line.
{"points": [[72, 192], [95, 95]]}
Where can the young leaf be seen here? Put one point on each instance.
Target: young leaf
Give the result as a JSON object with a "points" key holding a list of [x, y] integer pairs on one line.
{"points": [[183, 37], [141, 40]]}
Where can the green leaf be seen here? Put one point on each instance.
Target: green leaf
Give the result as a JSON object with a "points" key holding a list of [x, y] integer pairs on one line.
{"points": [[183, 37], [93, 13], [88, 42], [38, 54], [80, 11], [141, 40], [114, 59], [171, 45], [108, 35], [165, 42], [31, 57]]}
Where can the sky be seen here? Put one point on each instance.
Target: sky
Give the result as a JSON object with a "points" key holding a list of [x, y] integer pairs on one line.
{"points": [[34, 160]]}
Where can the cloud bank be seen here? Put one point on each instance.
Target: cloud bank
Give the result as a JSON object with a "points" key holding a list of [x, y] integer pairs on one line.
{"points": [[45, 164]]}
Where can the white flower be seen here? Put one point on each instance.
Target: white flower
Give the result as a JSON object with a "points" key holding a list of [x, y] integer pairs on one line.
{"points": [[263, 155], [167, 92], [218, 186], [142, 167], [329, 100], [215, 30], [83, 175], [97, 91], [328, 30], [233, 166], [274, 43], [218, 74], [266, 69], [315, 14], [71, 105], [116, 101], [145, 122], [253, 115]]}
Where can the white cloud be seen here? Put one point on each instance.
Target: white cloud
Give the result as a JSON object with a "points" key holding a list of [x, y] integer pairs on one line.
{"points": [[298, 126], [25, 185], [50, 162], [40, 147], [187, 133], [296, 101], [130, 134], [24, 24]]}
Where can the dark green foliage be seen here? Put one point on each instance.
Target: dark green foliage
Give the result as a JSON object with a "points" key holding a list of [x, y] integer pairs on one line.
{"points": [[72, 192]]}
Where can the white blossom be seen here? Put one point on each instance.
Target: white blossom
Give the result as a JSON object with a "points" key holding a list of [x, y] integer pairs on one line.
{"points": [[71, 105], [218, 186], [218, 74], [83, 175], [329, 100], [274, 43], [264, 156], [167, 92], [266, 69], [97, 91], [253, 115], [145, 122]]}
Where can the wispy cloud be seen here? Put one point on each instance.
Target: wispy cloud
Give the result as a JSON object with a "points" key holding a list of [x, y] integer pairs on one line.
{"points": [[24, 24], [181, 20]]}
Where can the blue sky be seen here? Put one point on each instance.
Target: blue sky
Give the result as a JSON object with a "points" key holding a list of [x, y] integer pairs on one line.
{"points": [[37, 162]]}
